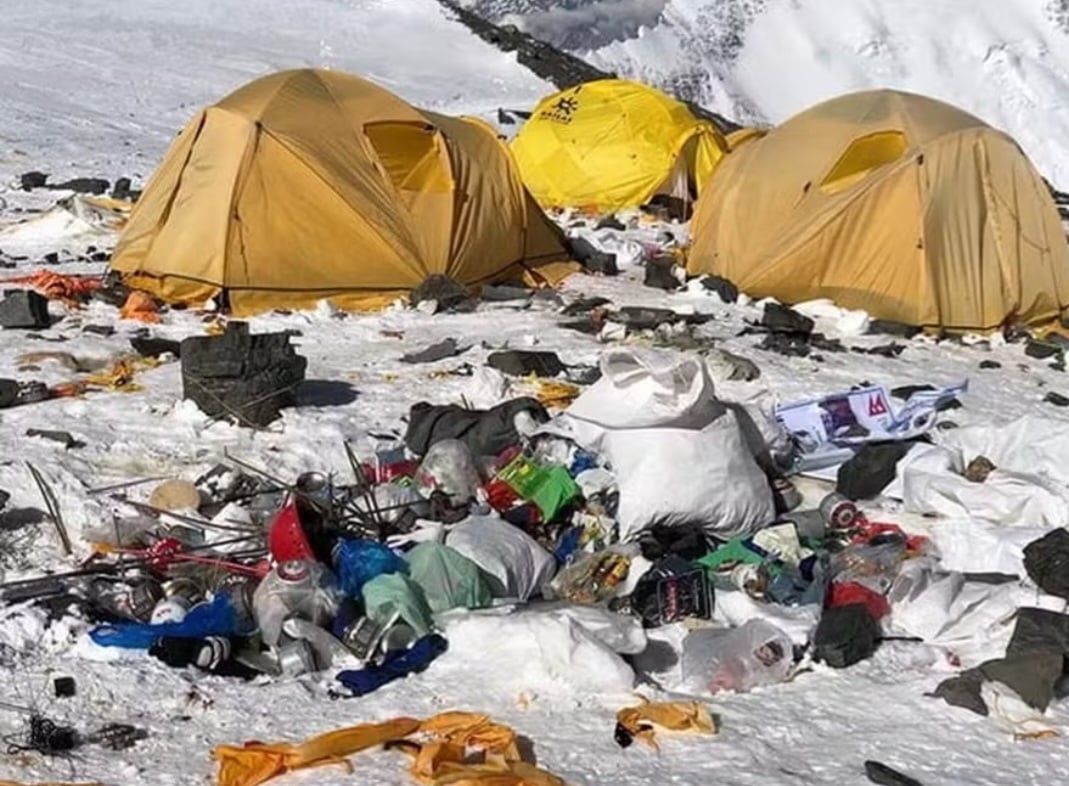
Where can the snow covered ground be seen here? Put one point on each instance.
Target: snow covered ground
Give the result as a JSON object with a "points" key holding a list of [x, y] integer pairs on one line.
{"points": [[91, 89], [1007, 61]]}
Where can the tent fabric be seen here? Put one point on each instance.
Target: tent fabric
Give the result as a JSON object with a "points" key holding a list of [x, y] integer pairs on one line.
{"points": [[613, 144], [893, 203], [308, 185]]}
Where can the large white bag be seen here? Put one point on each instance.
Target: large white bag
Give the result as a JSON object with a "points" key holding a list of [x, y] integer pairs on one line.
{"points": [[675, 476], [646, 388], [514, 564]]}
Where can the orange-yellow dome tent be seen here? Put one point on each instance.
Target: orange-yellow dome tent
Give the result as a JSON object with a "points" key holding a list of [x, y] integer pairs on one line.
{"points": [[307, 185], [900, 205], [613, 144]]}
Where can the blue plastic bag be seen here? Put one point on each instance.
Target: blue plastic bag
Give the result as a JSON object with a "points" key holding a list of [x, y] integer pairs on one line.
{"points": [[357, 562], [216, 618]]}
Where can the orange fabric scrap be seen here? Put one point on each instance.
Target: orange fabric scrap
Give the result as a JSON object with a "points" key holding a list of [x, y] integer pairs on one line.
{"points": [[140, 306], [256, 763], [56, 286], [640, 721]]}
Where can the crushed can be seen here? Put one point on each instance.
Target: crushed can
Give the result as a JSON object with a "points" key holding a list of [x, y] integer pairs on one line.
{"points": [[296, 657], [141, 599]]}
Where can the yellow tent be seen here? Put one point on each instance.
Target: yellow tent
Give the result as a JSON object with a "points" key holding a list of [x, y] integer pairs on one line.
{"points": [[305, 185], [893, 203], [613, 144]]}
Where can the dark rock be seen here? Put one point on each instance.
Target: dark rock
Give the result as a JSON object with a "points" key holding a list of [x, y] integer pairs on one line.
{"points": [[32, 180], [585, 326], [65, 438], [584, 306], [783, 319], [113, 292], [905, 391], [100, 256], [889, 328], [505, 292], [786, 344], [435, 352], [610, 222], [642, 318], [99, 330], [83, 185], [4, 497], [728, 292], [122, 189], [1058, 365], [591, 258], [51, 258], [149, 347], [9, 393], [25, 309], [520, 363], [447, 293], [845, 635], [891, 350], [822, 342], [987, 364], [247, 377], [660, 274], [1041, 350], [1057, 399], [882, 775]]}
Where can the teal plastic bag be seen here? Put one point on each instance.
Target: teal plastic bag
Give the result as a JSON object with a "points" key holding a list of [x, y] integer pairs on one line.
{"points": [[394, 593], [449, 580]]}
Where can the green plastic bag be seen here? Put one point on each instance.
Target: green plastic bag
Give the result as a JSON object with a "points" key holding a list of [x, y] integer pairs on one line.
{"points": [[393, 593], [549, 488], [449, 580]]}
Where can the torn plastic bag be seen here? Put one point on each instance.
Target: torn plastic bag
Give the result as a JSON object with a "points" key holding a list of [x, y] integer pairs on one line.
{"points": [[391, 595], [449, 467], [295, 588], [514, 564], [449, 580], [218, 617], [359, 561], [756, 654]]}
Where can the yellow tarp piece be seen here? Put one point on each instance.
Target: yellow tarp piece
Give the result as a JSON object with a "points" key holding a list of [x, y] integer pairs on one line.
{"points": [[613, 144], [256, 763], [687, 716], [308, 185], [442, 756], [894, 203]]}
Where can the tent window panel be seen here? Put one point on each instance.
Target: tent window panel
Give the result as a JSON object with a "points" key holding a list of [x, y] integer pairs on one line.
{"points": [[864, 155], [410, 154]]}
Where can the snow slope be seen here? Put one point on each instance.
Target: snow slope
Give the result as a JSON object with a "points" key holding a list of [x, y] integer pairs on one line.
{"points": [[100, 88], [1006, 61]]}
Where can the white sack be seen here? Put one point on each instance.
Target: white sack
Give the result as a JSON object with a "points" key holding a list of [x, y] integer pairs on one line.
{"points": [[675, 476], [514, 564], [972, 546], [647, 388], [1031, 444], [734, 608], [737, 660]]}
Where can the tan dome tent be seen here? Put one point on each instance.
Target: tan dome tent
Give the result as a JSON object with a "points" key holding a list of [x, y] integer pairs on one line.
{"points": [[613, 144], [893, 203], [307, 185]]}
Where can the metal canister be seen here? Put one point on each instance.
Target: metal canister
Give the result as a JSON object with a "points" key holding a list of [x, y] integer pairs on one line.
{"points": [[317, 487], [838, 511], [296, 657], [363, 637], [184, 588], [140, 600]]}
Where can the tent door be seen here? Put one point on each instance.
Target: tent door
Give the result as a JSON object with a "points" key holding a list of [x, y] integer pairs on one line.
{"points": [[415, 161]]}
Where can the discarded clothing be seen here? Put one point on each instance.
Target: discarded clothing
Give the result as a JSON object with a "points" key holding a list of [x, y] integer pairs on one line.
{"points": [[869, 472], [140, 306], [727, 291], [846, 634], [216, 618], [1047, 562], [485, 432], [638, 723], [784, 319], [521, 363], [396, 665]]}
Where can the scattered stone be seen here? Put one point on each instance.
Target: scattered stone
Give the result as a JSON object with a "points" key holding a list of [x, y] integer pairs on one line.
{"points": [[584, 306], [727, 291], [99, 330], [882, 775], [1057, 399], [988, 364], [51, 258], [520, 363], [946, 425], [250, 378], [786, 344], [150, 347], [549, 296], [784, 319], [1040, 350], [123, 191], [1058, 365], [65, 438], [100, 256], [83, 185], [897, 329], [435, 352], [891, 350], [611, 222], [660, 274], [905, 391], [978, 470], [9, 393], [32, 180], [24, 309], [4, 497], [445, 292], [113, 292], [505, 292], [591, 258]]}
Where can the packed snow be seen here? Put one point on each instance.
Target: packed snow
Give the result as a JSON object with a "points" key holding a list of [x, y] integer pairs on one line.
{"points": [[98, 90]]}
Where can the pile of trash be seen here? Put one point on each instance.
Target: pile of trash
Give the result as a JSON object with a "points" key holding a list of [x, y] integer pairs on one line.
{"points": [[647, 509]]}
